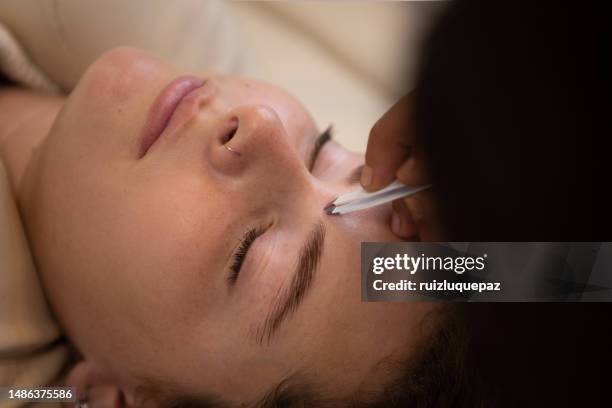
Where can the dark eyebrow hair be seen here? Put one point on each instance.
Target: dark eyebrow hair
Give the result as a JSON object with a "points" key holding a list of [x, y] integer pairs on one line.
{"points": [[308, 262], [355, 175]]}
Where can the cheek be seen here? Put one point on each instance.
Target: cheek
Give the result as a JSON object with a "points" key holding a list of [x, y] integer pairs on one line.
{"points": [[96, 133], [127, 256]]}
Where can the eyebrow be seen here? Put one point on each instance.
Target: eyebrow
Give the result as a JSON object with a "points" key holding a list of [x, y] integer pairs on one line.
{"points": [[355, 175], [308, 262]]}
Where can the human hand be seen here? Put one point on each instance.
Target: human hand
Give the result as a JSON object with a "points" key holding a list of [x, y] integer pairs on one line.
{"points": [[393, 152]]}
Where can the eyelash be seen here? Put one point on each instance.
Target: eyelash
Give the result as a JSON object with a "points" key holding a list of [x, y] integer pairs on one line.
{"points": [[254, 233], [241, 252], [323, 138]]}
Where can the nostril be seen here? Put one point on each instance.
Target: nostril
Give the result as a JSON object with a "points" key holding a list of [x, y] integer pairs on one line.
{"points": [[230, 132]]}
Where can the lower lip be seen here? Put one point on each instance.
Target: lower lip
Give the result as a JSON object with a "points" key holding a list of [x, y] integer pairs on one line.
{"points": [[163, 108]]}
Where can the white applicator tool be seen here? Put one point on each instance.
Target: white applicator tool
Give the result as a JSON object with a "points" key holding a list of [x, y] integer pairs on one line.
{"points": [[361, 199]]}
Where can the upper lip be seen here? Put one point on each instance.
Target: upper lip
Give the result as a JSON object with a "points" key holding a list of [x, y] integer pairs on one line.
{"points": [[164, 107]]}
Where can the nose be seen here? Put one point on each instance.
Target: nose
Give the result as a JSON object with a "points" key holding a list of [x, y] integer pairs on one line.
{"points": [[252, 147]]}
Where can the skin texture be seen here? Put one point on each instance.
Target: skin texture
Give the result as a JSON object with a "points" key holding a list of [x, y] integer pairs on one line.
{"points": [[134, 252]]}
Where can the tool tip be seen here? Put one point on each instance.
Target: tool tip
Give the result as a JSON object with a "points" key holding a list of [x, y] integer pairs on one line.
{"points": [[329, 209]]}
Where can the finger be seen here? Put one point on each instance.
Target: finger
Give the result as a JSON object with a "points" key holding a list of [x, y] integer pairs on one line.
{"points": [[401, 221], [423, 213], [413, 172], [389, 145]]}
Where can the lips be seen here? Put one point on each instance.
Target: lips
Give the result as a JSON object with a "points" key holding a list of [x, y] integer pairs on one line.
{"points": [[164, 107]]}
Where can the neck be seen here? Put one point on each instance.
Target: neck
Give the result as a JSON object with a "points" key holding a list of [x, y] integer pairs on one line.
{"points": [[26, 119]]}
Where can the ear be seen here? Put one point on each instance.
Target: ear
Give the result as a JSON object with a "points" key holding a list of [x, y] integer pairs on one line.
{"points": [[98, 394]]}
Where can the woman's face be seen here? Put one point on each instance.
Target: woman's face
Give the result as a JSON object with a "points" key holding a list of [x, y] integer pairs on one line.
{"points": [[140, 253]]}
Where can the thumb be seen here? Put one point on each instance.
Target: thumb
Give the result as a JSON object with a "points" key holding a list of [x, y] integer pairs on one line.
{"points": [[389, 144]]}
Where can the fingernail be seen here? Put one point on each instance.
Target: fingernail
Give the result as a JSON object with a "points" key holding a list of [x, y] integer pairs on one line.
{"points": [[396, 223], [366, 176]]}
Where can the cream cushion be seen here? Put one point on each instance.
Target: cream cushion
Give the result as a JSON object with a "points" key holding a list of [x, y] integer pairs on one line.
{"points": [[31, 352], [63, 37]]}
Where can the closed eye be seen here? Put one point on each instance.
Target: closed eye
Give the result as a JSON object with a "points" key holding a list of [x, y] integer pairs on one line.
{"points": [[319, 143], [240, 254]]}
